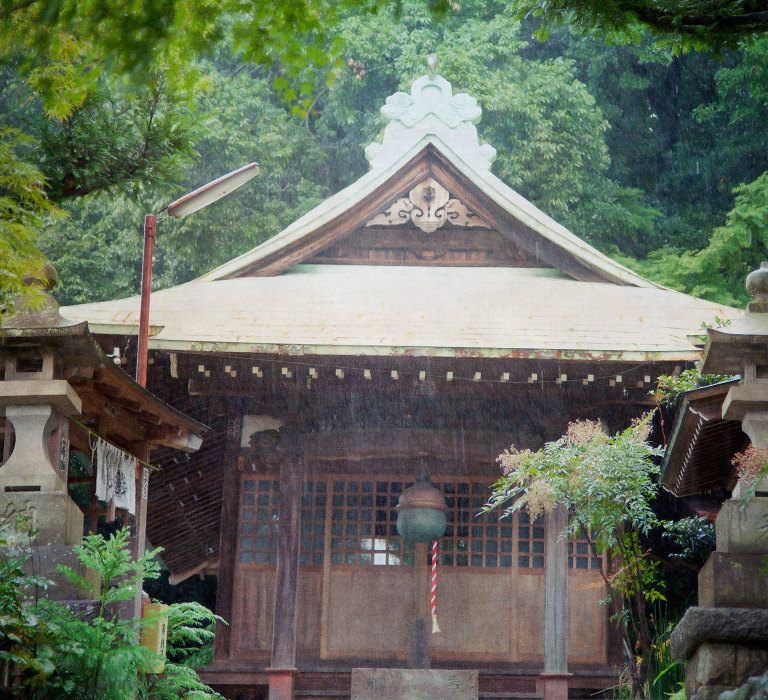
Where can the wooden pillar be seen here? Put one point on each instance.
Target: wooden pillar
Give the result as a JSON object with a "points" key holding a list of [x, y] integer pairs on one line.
{"points": [[140, 536], [228, 539], [282, 669], [555, 676], [420, 627]]}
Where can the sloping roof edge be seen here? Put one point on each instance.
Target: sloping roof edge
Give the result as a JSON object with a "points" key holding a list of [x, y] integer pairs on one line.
{"points": [[490, 185], [702, 443]]}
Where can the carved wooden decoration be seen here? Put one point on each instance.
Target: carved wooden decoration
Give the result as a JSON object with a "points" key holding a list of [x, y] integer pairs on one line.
{"points": [[429, 205]]}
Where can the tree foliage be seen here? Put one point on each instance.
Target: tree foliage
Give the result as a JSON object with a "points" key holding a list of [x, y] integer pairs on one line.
{"points": [[24, 636], [632, 147], [24, 208], [687, 24], [718, 271]]}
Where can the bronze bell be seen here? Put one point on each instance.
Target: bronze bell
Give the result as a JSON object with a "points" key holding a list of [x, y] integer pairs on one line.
{"points": [[421, 512]]}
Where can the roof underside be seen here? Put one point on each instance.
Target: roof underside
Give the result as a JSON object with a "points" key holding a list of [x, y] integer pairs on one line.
{"points": [[702, 445]]}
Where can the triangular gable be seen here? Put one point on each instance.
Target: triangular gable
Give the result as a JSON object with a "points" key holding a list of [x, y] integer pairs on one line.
{"points": [[511, 224]]}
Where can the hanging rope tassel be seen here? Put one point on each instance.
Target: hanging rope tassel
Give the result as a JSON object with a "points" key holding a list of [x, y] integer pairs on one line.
{"points": [[435, 628]]}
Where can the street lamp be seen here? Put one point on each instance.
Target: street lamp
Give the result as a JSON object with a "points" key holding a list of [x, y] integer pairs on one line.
{"points": [[189, 203]]}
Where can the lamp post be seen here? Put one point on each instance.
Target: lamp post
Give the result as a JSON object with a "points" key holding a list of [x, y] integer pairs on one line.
{"points": [[189, 203]]}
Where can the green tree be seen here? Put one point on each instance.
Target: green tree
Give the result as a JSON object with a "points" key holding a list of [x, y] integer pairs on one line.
{"points": [[97, 249], [24, 209], [549, 132], [686, 24], [717, 272], [607, 483]]}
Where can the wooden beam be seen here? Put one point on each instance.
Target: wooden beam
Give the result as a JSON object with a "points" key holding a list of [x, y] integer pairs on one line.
{"points": [[286, 583], [556, 593], [227, 542]]}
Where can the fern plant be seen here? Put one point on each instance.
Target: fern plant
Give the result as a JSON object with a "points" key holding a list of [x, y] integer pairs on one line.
{"points": [[70, 656]]}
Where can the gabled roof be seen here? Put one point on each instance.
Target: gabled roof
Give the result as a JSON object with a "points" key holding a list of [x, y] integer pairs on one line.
{"points": [[553, 296], [430, 134], [377, 190], [702, 444]]}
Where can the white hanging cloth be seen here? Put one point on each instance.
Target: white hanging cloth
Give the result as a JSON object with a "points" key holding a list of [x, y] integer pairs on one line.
{"points": [[115, 476], [125, 483]]}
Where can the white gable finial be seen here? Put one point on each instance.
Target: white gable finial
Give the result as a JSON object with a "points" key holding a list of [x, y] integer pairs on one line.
{"points": [[432, 66], [431, 108]]}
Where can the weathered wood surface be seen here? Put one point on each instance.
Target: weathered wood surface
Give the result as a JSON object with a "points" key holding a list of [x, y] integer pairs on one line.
{"points": [[358, 444], [556, 593], [413, 684], [409, 247], [228, 540], [287, 576]]}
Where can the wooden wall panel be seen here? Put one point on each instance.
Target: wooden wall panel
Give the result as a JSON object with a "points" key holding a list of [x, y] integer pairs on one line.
{"points": [[253, 609], [368, 611], [254, 601], [587, 619], [528, 617], [309, 607], [473, 607]]}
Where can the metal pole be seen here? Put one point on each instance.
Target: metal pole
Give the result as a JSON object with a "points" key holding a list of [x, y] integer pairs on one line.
{"points": [[146, 287]]}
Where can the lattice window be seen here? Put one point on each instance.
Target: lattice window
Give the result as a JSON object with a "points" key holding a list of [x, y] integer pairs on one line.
{"points": [[580, 555], [530, 541], [364, 523], [362, 520], [471, 539], [259, 508], [314, 502]]}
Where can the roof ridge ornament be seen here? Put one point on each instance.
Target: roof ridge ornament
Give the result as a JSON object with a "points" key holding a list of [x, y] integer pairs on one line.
{"points": [[431, 109]]}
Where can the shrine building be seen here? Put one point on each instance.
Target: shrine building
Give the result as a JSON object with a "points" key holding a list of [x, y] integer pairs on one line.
{"points": [[419, 321]]}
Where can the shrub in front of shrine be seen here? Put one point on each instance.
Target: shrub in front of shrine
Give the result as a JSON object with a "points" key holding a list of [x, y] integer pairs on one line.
{"points": [[608, 484], [48, 650]]}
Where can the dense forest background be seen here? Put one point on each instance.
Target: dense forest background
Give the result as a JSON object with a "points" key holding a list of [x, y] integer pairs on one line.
{"points": [[656, 157]]}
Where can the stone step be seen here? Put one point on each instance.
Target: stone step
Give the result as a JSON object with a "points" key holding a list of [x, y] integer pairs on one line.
{"points": [[327, 694], [512, 696]]}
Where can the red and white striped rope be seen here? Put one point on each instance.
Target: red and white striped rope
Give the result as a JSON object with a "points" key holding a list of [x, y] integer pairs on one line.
{"points": [[433, 593]]}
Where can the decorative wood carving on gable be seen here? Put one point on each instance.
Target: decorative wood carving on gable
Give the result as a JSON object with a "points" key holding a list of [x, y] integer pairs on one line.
{"points": [[429, 206]]}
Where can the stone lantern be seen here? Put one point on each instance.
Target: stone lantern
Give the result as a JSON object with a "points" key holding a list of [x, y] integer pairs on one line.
{"points": [[724, 640]]}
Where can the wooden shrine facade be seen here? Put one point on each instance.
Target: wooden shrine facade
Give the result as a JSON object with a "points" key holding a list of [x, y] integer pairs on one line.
{"points": [[421, 320], [353, 434]]}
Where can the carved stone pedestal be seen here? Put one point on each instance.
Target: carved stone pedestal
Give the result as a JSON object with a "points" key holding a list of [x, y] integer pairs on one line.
{"points": [[723, 647]]}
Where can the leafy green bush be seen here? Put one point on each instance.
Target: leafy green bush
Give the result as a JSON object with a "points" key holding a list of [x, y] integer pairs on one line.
{"points": [[607, 483], [55, 653]]}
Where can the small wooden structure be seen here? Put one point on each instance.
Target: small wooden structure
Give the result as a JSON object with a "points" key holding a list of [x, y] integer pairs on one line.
{"points": [[59, 393], [422, 319]]}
